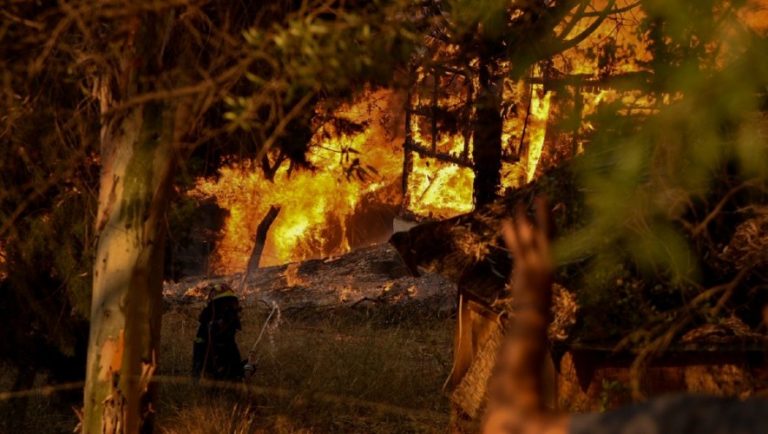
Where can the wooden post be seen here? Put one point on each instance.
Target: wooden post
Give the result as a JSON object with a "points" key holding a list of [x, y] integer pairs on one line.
{"points": [[468, 117], [578, 110], [434, 108], [407, 153]]}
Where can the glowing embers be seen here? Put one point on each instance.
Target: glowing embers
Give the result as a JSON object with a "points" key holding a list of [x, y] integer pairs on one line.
{"points": [[292, 277], [3, 262]]}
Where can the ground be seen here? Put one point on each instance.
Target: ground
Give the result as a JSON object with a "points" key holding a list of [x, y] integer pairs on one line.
{"points": [[357, 345], [320, 370]]}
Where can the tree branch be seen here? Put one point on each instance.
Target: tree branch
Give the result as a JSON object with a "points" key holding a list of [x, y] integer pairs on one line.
{"points": [[702, 226], [618, 10], [576, 40]]}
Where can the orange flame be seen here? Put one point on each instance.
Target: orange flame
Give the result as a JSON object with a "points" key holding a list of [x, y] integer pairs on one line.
{"points": [[439, 190], [315, 204], [318, 206], [540, 102]]}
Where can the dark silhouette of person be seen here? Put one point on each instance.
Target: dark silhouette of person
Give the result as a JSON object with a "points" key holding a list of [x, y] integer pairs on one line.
{"points": [[215, 353]]}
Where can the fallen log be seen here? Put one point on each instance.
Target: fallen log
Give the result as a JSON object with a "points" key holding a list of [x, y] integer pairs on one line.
{"points": [[371, 273]]}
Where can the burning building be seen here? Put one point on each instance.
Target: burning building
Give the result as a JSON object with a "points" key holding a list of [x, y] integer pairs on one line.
{"points": [[410, 153]]}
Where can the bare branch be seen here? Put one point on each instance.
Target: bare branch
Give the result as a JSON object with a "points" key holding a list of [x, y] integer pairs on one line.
{"points": [[576, 40], [618, 10]]}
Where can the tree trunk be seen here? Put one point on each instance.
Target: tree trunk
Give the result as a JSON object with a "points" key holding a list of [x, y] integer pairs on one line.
{"points": [[259, 242], [487, 130], [127, 283], [137, 157]]}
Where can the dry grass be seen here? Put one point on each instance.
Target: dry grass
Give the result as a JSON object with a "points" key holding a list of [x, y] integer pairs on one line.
{"points": [[47, 409], [316, 372], [350, 371]]}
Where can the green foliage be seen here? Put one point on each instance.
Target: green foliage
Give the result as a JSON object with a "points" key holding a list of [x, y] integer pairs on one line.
{"points": [[328, 50], [48, 288], [645, 181], [48, 176], [490, 15]]}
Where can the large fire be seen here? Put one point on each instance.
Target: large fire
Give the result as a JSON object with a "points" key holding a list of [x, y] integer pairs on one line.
{"points": [[326, 212], [316, 205], [438, 189], [540, 103]]}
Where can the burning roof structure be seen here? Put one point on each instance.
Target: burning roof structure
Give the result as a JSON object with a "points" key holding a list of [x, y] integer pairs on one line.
{"points": [[410, 151]]}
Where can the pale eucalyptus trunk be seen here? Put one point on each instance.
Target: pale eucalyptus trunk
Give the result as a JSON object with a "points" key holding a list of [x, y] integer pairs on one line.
{"points": [[127, 284], [137, 158]]}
